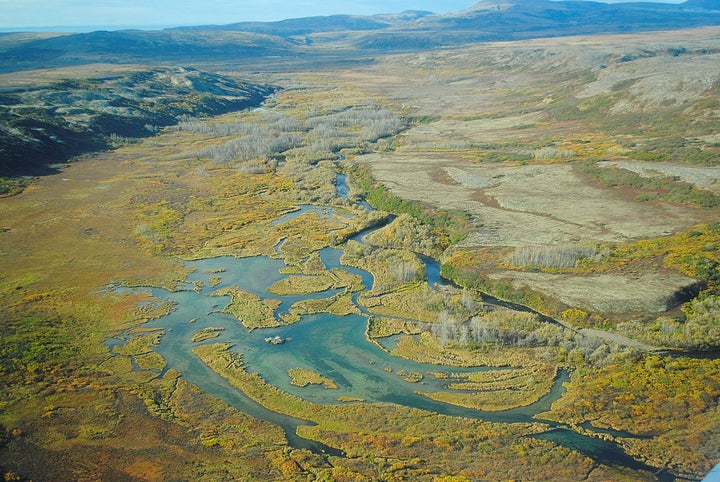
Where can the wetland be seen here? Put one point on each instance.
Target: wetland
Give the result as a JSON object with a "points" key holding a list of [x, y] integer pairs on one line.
{"points": [[519, 282]]}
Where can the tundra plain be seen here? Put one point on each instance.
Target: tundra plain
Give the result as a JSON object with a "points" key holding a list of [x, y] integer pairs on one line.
{"points": [[566, 187]]}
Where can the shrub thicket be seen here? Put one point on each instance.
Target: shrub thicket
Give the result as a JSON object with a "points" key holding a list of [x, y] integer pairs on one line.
{"points": [[667, 188]]}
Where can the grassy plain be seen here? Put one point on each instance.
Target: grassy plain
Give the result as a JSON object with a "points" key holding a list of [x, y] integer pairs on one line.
{"points": [[507, 144], [515, 119], [70, 409], [503, 146]]}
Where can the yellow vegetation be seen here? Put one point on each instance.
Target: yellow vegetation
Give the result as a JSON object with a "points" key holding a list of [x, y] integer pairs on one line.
{"points": [[498, 389], [303, 377], [249, 309]]}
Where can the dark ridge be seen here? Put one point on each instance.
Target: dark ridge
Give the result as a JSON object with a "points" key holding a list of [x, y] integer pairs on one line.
{"points": [[49, 125], [702, 4], [319, 24]]}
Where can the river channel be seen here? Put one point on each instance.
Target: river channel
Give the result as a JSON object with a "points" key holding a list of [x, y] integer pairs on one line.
{"points": [[334, 346]]}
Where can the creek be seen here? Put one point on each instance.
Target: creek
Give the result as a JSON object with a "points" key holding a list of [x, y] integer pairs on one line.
{"points": [[334, 346]]}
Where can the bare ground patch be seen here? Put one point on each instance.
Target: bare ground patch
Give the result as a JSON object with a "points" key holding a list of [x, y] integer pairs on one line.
{"points": [[488, 110], [548, 204]]}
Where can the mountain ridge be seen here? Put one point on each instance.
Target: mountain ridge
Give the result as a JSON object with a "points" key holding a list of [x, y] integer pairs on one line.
{"points": [[317, 24], [488, 20], [501, 20]]}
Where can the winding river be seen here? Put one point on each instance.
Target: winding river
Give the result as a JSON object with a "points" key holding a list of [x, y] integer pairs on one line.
{"points": [[334, 346]]}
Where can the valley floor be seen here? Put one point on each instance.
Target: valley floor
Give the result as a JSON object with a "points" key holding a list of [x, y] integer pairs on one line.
{"points": [[566, 181]]}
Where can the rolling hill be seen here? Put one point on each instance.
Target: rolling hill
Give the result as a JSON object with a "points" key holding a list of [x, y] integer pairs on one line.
{"points": [[489, 20], [498, 20], [29, 126], [48, 124]]}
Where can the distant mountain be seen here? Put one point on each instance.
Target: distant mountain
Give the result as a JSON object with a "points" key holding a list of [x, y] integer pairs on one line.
{"points": [[494, 20], [702, 4], [402, 17], [312, 37], [129, 46], [301, 26], [231, 42], [309, 25]]}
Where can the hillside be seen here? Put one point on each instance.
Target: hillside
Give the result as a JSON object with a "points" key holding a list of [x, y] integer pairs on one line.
{"points": [[308, 25], [127, 46], [48, 124], [500, 20], [247, 42]]}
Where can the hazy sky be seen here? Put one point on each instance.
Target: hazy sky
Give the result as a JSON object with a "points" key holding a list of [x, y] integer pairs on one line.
{"points": [[156, 13]]}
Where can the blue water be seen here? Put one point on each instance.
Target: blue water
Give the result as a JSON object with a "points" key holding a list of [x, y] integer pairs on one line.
{"points": [[343, 190], [334, 346]]}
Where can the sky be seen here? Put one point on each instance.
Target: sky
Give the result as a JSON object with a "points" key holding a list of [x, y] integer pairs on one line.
{"points": [[116, 14]]}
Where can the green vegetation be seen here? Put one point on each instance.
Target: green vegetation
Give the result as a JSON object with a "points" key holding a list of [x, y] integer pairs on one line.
{"points": [[11, 187], [340, 305], [649, 396], [316, 283], [692, 252], [49, 124], [498, 389], [406, 232], [698, 329], [676, 149], [426, 348], [206, 334], [663, 187], [468, 269], [34, 348], [380, 327], [447, 227]]}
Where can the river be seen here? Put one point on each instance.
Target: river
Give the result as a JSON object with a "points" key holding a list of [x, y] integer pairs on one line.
{"points": [[334, 346]]}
